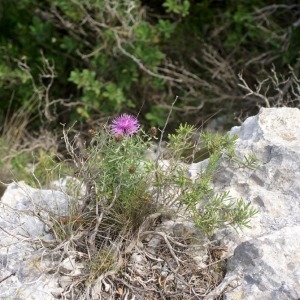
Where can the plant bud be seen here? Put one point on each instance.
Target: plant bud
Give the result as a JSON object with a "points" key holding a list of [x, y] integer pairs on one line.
{"points": [[92, 132], [131, 169], [119, 137], [153, 131]]}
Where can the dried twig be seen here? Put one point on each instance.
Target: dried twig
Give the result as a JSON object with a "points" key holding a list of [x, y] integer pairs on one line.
{"points": [[256, 93], [228, 280]]}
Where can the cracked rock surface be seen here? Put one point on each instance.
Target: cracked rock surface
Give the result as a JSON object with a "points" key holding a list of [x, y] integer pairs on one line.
{"points": [[266, 256]]}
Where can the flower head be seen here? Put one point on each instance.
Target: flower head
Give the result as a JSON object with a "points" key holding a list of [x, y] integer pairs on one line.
{"points": [[125, 125]]}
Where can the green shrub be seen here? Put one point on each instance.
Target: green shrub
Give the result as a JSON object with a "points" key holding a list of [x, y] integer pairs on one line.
{"points": [[111, 56]]}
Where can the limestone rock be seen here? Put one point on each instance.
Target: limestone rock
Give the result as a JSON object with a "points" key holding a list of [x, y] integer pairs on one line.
{"points": [[267, 255], [23, 265]]}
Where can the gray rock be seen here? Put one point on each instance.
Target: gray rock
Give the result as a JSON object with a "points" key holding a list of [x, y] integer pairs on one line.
{"points": [[266, 255], [23, 264]]}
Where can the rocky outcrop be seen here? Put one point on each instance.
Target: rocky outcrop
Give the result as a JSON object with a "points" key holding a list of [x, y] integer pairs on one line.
{"points": [[24, 264], [263, 261], [266, 257]]}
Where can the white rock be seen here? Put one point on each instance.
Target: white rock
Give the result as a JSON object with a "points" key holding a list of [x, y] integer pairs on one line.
{"points": [[22, 263], [22, 197], [268, 253], [69, 185]]}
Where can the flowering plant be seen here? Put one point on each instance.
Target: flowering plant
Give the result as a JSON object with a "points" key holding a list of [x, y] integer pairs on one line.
{"points": [[129, 194], [127, 180], [125, 125]]}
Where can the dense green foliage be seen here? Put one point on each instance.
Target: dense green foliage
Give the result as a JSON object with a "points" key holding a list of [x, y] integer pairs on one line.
{"points": [[77, 59]]}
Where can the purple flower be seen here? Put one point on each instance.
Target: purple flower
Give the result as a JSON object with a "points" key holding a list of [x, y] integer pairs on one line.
{"points": [[125, 125]]}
